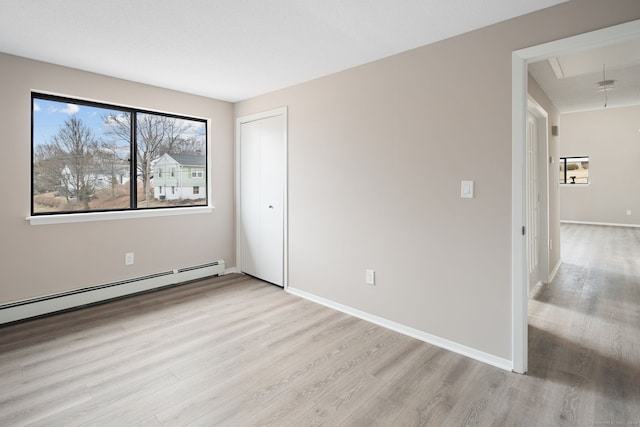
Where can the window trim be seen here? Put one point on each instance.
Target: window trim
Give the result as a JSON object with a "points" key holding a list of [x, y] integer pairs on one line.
{"points": [[127, 213], [117, 215]]}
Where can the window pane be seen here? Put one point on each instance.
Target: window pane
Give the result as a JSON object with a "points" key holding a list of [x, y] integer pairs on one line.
{"points": [[80, 157], [577, 170], [90, 156], [171, 153], [582, 173]]}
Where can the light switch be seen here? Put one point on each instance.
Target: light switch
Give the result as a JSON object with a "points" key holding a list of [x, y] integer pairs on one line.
{"points": [[466, 190], [370, 277]]}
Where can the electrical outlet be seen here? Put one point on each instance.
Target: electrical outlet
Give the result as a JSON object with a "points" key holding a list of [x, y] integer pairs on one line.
{"points": [[370, 277], [628, 211], [128, 258]]}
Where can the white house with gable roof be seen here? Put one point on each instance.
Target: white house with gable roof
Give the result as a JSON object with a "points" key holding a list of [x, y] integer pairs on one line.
{"points": [[179, 177]]}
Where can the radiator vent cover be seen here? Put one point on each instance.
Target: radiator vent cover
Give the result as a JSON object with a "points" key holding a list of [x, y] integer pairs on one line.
{"points": [[34, 307]]}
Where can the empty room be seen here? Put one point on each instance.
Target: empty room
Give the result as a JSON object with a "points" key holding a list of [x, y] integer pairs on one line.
{"points": [[297, 213]]}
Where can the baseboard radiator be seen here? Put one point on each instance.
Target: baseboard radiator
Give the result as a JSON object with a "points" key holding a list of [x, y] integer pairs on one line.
{"points": [[20, 310]]}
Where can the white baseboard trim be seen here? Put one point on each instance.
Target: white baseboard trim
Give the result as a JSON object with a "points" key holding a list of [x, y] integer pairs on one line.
{"points": [[535, 288], [231, 270], [611, 224], [555, 271], [472, 353], [20, 310]]}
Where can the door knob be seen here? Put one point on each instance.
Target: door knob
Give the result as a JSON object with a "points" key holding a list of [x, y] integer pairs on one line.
{"points": [[270, 206]]}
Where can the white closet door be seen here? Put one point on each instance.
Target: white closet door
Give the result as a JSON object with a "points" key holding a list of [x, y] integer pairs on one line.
{"points": [[262, 187]]}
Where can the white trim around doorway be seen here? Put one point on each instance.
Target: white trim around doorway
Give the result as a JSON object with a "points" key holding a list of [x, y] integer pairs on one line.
{"points": [[520, 60]]}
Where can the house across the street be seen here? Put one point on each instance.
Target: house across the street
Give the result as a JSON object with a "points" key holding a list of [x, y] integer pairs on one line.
{"points": [[179, 177]]}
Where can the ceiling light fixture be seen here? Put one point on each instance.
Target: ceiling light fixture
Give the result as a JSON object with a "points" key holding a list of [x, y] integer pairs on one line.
{"points": [[605, 85]]}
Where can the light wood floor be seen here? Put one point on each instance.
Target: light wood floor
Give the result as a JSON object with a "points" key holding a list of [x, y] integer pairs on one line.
{"points": [[234, 351]]}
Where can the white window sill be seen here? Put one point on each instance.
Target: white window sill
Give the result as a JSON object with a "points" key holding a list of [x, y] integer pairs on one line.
{"points": [[107, 216], [575, 185]]}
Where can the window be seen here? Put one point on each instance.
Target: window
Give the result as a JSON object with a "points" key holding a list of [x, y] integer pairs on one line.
{"points": [[196, 190], [95, 157], [196, 173], [574, 170]]}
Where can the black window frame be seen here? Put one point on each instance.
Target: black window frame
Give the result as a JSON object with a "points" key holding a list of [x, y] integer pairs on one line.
{"points": [[563, 162], [133, 153]]}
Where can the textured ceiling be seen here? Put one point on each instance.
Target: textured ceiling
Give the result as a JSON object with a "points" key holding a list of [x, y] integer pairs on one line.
{"points": [[235, 49]]}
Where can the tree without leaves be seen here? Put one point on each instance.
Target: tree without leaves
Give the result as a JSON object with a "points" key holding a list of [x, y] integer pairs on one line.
{"points": [[191, 145], [47, 169], [70, 159], [112, 164]]}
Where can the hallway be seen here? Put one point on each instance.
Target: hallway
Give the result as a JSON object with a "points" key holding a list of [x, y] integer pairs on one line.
{"points": [[584, 328]]}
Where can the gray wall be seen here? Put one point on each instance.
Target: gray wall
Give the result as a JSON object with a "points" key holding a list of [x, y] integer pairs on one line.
{"points": [[376, 156], [611, 139], [43, 259]]}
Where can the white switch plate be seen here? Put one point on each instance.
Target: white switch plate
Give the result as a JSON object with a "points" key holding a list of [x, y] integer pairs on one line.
{"points": [[628, 211], [466, 190], [370, 277]]}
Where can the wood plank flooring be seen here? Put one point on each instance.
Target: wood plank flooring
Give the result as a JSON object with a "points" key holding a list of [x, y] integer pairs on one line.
{"points": [[234, 351]]}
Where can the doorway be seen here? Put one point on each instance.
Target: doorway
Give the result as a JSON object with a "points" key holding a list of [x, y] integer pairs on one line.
{"points": [[261, 177], [520, 61]]}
